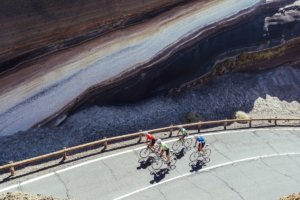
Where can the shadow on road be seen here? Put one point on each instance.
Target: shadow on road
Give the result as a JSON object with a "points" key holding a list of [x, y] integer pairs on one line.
{"points": [[197, 165], [159, 175], [144, 163], [180, 154]]}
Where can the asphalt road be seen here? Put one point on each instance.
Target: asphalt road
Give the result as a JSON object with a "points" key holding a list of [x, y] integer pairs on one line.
{"points": [[244, 164]]}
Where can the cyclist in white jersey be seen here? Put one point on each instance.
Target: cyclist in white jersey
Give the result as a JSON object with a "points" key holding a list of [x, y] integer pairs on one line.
{"points": [[163, 147]]}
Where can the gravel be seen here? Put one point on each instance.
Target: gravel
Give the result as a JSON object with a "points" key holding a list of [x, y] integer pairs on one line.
{"points": [[24, 196], [295, 196]]}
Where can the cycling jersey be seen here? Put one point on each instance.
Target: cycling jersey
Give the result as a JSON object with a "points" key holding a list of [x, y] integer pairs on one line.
{"points": [[150, 137], [201, 139], [184, 132], [164, 146]]}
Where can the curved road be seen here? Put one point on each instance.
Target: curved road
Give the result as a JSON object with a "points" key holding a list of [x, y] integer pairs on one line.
{"points": [[244, 164]]}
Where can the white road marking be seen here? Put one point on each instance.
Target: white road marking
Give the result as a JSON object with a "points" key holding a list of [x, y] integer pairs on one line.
{"points": [[36, 179], [204, 170], [128, 151]]}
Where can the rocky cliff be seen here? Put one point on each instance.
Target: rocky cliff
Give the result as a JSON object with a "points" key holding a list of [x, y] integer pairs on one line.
{"points": [[34, 28], [56, 57]]}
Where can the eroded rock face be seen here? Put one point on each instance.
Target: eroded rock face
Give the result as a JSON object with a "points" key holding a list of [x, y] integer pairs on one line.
{"points": [[180, 48], [32, 28], [285, 15]]}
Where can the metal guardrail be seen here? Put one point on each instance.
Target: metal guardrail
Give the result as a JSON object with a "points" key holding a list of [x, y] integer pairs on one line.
{"points": [[10, 167]]}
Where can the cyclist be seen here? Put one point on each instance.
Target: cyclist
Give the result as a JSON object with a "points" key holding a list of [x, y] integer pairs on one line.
{"points": [[163, 147], [183, 132], [150, 139], [201, 141]]}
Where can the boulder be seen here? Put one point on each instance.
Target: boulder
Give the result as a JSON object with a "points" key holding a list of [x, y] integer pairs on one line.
{"points": [[190, 117]]}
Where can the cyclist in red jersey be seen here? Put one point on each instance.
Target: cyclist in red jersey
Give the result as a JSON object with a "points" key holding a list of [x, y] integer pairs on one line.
{"points": [[150, 139]]}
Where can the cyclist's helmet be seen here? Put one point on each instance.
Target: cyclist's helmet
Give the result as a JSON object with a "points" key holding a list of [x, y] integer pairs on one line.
{"points": [[180, 127], [158, 141], [145, 133], [196, 136]]}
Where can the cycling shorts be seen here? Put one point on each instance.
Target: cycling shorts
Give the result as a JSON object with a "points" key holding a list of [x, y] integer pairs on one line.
{"points": [[167, 152], [201, 144], [153, 142]]}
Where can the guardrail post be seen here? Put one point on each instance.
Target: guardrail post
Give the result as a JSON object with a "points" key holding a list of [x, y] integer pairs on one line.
{"points": [[11, 168], [199, 127], [225, 125], [250, 122], [140, 136], [171, 130], [64, 153], [275, 121], [105, 142]]}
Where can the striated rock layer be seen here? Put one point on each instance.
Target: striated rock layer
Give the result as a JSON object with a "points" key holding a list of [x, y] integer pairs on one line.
{"points": [[170, 49], [33, 28]]}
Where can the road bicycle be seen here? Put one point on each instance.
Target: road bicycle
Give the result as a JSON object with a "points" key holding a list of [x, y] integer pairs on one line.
{"points": [[187, 143], [159, 160], [197, 155], [148, 150]]}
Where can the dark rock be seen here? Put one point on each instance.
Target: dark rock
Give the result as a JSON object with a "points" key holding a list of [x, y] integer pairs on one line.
{"points": [[191, 117]]}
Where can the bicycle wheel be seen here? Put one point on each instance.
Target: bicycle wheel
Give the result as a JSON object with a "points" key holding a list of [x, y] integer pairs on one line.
{"points": [[176, 145], [194, 156], [157, 163], [144, 152], [206, 160], [207, 152], [173, 161], [188, 142]]}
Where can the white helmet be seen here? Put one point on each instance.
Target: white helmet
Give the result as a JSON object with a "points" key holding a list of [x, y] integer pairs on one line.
{"points": [[180, 127], [145, 132], [196, 136], [158, 141]]}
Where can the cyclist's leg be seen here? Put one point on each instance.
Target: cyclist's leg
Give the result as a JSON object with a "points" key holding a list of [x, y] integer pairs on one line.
{"points": [[148, 144], [152, 144], [161, 152], [181, 139], [202, 147], [168, 156], [199, 147]]}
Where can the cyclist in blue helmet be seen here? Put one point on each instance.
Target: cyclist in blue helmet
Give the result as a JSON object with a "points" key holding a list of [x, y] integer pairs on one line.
{"points": [[201, 141]]}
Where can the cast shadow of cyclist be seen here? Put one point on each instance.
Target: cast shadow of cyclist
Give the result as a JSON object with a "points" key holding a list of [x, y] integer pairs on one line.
{"points": [[145, 163], [198, 165], [180, 154], [159, 175]]}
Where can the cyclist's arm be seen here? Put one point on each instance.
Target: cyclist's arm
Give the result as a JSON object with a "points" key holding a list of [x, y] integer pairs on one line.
{"points": [[195, 143], [178, 132], [159, 148]]}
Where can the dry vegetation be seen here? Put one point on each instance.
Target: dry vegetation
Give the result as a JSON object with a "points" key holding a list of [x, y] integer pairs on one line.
{"points": [[295, 196], [23, 196], [242, 116]]}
